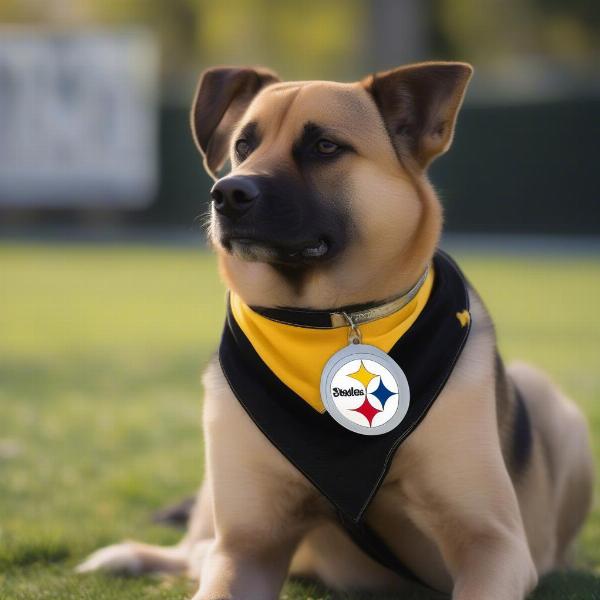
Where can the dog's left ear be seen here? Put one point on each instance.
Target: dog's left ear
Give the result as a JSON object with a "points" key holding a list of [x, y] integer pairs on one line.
{"points": [[419, 105]]}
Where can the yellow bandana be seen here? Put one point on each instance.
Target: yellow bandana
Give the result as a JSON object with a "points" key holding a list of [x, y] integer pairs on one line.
{"points": [[297, 355]]}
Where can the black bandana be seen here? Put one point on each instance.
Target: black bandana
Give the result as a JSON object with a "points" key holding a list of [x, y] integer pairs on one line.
{"points": [[349, 468]]}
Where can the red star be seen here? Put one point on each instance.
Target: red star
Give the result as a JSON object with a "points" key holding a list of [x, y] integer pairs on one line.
{"points": [[367, 410]]}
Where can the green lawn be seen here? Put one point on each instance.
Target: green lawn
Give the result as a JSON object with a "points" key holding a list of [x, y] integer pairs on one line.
{"points": [[101, 350]]}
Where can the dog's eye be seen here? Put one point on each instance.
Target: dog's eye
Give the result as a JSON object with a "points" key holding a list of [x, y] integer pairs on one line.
{"points": [[326, 147], [242, 149]]}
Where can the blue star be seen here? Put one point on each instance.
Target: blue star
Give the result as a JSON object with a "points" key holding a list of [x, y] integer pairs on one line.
{"points": [[382, 393]]}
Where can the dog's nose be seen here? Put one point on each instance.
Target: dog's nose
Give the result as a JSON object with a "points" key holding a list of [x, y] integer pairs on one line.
{"points": [[233, 196]]}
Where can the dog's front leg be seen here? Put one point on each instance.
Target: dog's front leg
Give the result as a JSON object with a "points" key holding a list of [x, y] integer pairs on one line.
{"points": [[481, 540], [260, 504], [256, 535], [244, 570], [465, 503]]}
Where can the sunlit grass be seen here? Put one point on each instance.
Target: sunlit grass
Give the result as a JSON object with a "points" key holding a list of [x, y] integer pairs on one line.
{"points": [[101, 350]]}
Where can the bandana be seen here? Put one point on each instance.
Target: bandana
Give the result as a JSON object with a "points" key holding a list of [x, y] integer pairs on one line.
{"points": [[274, 370]]}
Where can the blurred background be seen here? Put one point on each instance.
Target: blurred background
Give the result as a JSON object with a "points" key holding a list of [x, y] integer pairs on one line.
{"points": [[94, 100], [110, 305]]}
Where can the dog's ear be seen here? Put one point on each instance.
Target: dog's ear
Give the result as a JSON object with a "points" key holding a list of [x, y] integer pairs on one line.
{"points": [[222, 96], [419, 104]]}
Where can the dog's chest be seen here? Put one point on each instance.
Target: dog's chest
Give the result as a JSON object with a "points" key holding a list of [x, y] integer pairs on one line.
{"points": [[345, 466]]}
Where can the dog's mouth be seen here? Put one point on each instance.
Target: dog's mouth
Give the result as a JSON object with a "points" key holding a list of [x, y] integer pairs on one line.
{"points": [[257, 250]]}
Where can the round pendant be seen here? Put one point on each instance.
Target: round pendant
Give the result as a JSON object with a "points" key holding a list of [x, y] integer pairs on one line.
{"points": [[364, 390]]}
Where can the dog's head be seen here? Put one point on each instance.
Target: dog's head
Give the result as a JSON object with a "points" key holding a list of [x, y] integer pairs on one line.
{"points": [[327, 202]]}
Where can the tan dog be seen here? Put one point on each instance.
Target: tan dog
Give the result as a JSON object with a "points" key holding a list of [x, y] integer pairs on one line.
{"points": [[327, 205]]}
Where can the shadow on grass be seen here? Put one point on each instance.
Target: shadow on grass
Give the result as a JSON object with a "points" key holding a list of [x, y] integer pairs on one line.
{"points": [[36, 571], [30, 552], [571, 585]]}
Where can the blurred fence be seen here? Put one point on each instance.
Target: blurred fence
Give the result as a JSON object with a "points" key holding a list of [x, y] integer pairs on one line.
{"points": [[530, 168], [523, 168]]}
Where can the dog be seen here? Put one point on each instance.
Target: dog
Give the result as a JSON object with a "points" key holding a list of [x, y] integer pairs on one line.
{"points": [[327, 210]]}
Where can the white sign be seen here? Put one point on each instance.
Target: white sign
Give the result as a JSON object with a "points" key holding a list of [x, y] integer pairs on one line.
{"points": [[78, 118]]}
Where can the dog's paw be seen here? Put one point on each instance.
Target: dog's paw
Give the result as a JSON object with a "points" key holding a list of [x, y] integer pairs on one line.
{"points": [[118, 558]]}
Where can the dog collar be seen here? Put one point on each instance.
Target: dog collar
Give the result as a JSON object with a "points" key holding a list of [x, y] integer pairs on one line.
{"points": [[352, 315]]}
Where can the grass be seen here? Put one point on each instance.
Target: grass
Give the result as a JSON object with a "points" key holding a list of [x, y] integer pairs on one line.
{"points": [[99, 344]]}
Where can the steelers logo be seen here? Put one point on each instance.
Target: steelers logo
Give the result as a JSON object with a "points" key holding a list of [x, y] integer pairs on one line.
{"points": [[364, 390]]}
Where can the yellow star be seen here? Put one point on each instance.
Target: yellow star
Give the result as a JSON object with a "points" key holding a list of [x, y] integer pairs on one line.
{"points": [[464, 317], [362, 375]]}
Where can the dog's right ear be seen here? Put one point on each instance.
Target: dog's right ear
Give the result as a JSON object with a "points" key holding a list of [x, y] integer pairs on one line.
{"points": [[222, 96]]}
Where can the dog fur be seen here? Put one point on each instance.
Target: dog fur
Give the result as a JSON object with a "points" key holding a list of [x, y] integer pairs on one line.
{"points": [[486, 495]]}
